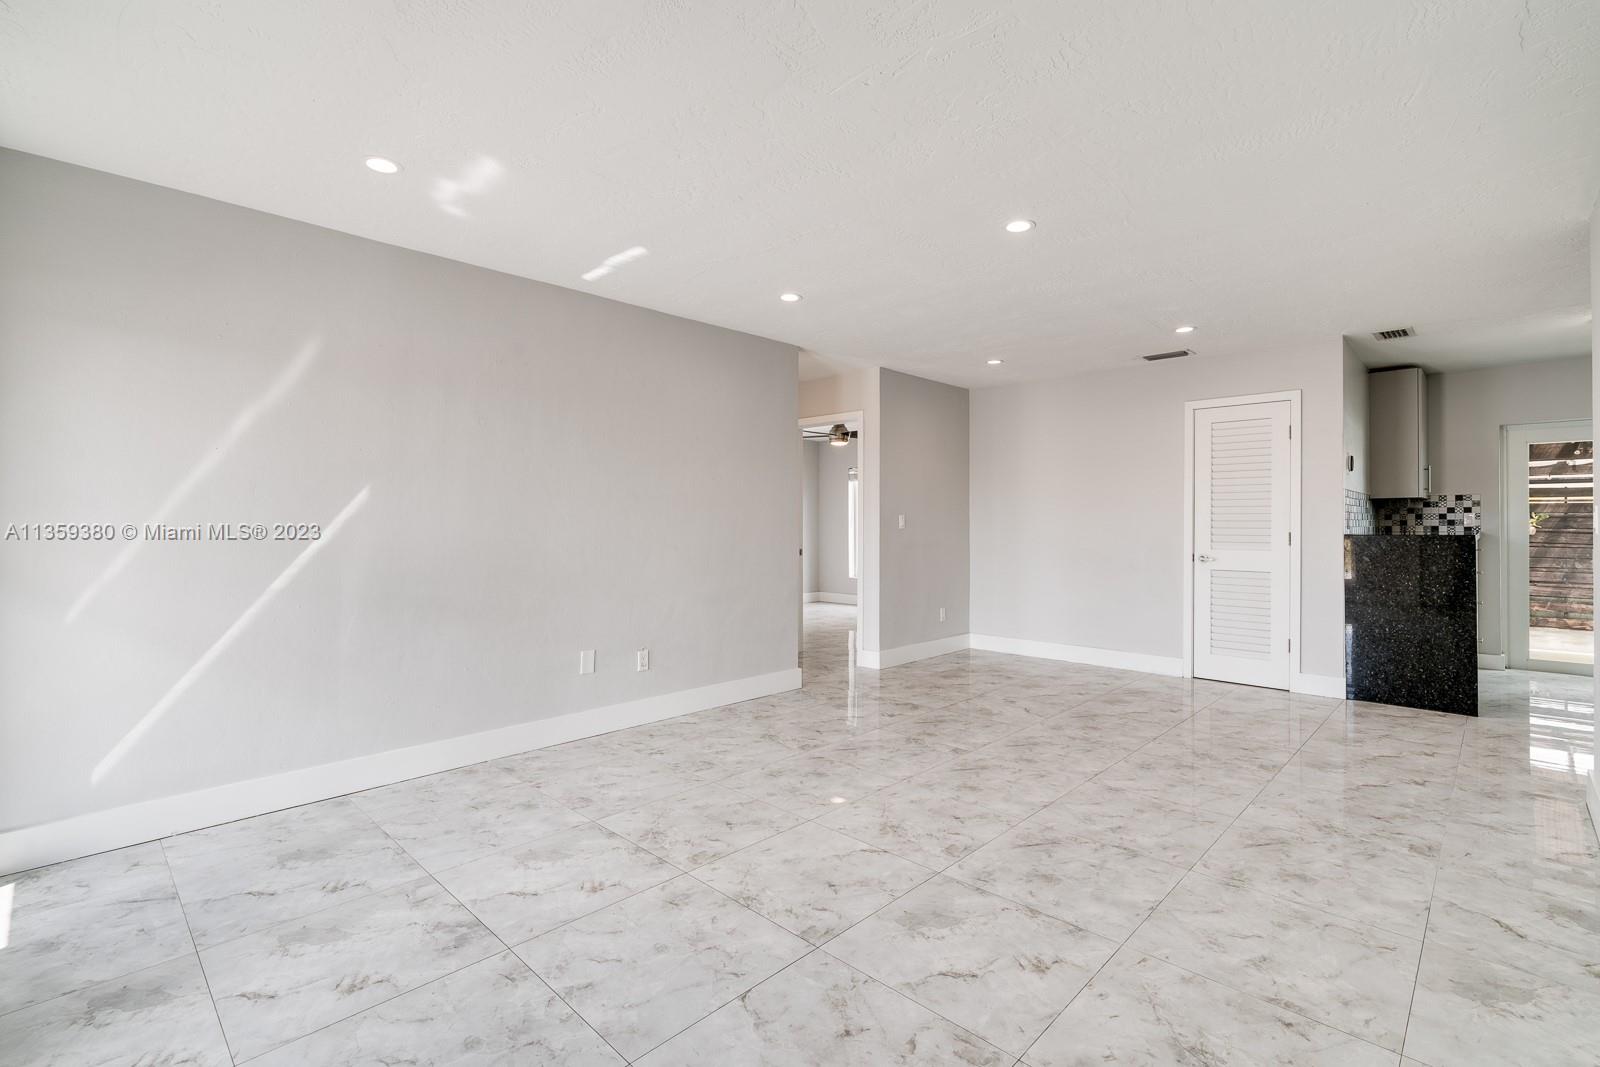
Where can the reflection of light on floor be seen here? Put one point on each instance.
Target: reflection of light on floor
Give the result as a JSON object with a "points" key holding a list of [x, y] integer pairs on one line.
{"points": [[475, 179], [210, 461], [611, 263], [1560, 759], [6, 893], [1560, 734], [281, 582]]}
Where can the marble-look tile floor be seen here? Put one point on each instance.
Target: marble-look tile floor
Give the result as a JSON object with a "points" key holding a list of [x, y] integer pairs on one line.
{"points": [[977, 859]]}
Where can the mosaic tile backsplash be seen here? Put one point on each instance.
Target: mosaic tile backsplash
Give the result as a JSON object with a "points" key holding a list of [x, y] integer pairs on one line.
{"points": [[1359, 516], [1443, 515], [1433, 516]]}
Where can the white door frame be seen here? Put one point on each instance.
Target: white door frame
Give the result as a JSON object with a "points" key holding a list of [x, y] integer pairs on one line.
{"points": [[859, 418], [1514, 588], [1296, 684]]}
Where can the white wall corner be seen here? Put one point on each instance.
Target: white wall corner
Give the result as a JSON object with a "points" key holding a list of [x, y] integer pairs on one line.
{"points": [[101, 831], [1491, 661], [1094, 657], [1318, 685], [878, 659]]}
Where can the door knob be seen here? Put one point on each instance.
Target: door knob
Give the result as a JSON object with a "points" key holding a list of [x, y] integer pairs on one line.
{"points": [[1206, 559]]}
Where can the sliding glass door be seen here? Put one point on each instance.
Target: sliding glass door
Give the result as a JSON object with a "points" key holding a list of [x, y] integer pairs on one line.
{"points": [[1549, 498]]}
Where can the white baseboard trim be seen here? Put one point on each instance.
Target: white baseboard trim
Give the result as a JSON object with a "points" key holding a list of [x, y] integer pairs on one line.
{"points": [[1592, 796], [1318, 685], [836, 598], [1171, 666], [813, 598], [1491, 661], [894, 657], [84, 835]]}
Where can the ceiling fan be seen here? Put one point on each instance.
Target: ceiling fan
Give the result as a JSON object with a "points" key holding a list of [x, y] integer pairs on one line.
{"points": [[837, 435]]}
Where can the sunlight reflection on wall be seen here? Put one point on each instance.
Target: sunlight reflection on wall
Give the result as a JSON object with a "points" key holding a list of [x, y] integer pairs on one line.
{"points": [[210, 460], [201, 665]]}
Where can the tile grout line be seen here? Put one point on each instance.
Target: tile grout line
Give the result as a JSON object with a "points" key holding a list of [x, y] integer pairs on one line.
{"points": [[426, 875], [820, 947], [1438, 863], [515, 954], [1191, 870], [389, 999], [943, 872], [177, 894], [906, 725], [494, 934]]}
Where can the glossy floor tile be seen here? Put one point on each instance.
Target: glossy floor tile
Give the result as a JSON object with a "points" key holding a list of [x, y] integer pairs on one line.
{"points": [[1351, 977], [248, 875], [997, 968], [79, 923], [644, 969], [159, 1015], [525, 891], [491, 1013], [820, 1011], [1141, 1011], [813, 881], [976, 859], [299, 976]]}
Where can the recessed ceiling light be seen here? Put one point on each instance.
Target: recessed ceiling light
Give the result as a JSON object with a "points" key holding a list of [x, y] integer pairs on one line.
{"points": [[1019, 225], [1184, 329], [382, 166], [994, 362], [789, 298]]}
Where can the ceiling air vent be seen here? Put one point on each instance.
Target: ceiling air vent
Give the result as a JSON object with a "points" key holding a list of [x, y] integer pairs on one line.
{"points": [[1395, 335], [1178, 354]]}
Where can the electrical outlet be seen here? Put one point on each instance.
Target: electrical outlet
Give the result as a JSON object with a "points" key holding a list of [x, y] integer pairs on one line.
{"points": [[643, 662], [586, 661]]}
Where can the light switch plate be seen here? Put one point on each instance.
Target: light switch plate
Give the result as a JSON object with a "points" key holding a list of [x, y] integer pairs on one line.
{"points": [[586, 661], [902, 522]]}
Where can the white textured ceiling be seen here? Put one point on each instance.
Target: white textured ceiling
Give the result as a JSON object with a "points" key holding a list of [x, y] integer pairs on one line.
{"points": [[1278, 171]]}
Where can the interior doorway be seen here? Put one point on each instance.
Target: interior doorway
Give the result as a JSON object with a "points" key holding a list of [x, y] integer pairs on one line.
{"points": [[1549, 537], [832, 559], [1242, 561]]}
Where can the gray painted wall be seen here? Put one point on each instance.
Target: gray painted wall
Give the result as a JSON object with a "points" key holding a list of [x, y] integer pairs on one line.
{"points": [[1466, 410], [1077, 502], [809, 458], [519, 445], [923, 472], [833, 519]]}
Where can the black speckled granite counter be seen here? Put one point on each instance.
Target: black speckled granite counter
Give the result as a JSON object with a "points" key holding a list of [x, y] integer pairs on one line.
{"points": [[1411, 621]]}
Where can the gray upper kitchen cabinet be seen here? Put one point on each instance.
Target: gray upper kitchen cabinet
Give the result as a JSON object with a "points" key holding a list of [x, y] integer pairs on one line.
{"points": [[1397, 433]]}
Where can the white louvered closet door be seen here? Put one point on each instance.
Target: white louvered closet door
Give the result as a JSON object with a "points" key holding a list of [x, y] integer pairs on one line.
{"points": [[1241, 539]]}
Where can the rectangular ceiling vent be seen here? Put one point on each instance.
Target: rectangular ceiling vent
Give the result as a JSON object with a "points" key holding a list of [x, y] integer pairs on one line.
{"points": [[1395, 335], [1179, 354]]}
